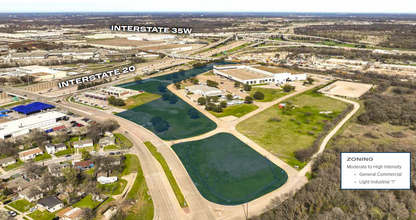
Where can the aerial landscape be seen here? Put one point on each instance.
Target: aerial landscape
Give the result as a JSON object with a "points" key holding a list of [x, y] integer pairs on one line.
{"points": [[181, 111]]}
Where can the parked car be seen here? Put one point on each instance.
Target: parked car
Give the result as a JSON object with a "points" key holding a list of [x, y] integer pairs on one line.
{"points": [[12, 213], [111, 153], [15, 198], [72, 122], [34, 208], [80, 125]]}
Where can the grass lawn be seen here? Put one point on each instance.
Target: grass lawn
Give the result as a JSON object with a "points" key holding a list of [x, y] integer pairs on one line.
{"points": [[111, 147], [236, 110], [124, 139], [269, 94], [130, 164], [21, 205], [144, 208], [14, 166], [87, 202], [169, 175], [140, 99], [227, 171], [283, 131], [74, 139], [114, 188], [45, 215], [42, 157], [69, 150]]}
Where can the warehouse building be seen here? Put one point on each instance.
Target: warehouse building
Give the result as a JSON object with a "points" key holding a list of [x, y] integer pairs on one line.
{"points": [[31, 108], [23, 126], [253, 75]]}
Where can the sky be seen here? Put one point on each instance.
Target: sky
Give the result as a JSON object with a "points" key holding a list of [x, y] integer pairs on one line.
{"points": [[354, 6]]}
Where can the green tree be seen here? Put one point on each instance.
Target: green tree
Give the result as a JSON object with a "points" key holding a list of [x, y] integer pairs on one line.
{"points": [[247, 87], [211, 83], [258, 95], [178, 85], [237, 84], [288, 88], [248, 100], [215, 98], [310, 80], [229, 96], [202, 101], [138, 78], [223, 104]]}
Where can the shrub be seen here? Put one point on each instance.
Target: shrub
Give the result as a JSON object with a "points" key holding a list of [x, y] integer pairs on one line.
{"points": [[248, 100], [274, 120], [202, 101], [247, 87]]}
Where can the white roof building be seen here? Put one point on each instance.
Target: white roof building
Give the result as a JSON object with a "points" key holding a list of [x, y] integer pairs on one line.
{"points": [[24, 125], [41, 69], [252, 75], [204, 90]]}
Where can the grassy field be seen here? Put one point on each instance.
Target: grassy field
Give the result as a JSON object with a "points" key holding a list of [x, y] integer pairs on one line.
{"points": [[130, 164], [113, 188], [87, 202], [269, 94], [231, 50], [140, 99], [227, 171], [45, 215], [169, 175], [43, 156], [14, 166], [21, 205], [236, 110], [124, 139], [283, 131], [143, 209]]}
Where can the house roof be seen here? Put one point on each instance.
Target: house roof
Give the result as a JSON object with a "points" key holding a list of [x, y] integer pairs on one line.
{"points": [[61, 145], [31, 191], [71, 213], [7, 160], [29, 184], [203, 88], [84, 163], [50, 202], [15, 183], [82, 142], [49, 145], [30, 152], [105, 139]]}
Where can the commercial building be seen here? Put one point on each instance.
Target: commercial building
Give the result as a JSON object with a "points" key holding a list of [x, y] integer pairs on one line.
{"points": [[253, 75], [23, 126], [55, 74], [116, 91], [204, 90]]}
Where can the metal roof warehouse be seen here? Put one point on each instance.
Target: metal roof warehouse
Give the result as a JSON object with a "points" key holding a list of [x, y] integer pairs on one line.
{"points": [[32, 108]]}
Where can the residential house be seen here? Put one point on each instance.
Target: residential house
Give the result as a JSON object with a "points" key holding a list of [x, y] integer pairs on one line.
{"points": [[30, 154], [15, 183], [50, 203], [83, 143], [106, 141], [52, 149], [31, 194], [70, 213], [7, 161], [84, 165], [56, 168], [28, 184]]}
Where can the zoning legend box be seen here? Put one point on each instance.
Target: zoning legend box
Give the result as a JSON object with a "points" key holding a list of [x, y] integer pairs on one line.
{"points": [[375, 170]]}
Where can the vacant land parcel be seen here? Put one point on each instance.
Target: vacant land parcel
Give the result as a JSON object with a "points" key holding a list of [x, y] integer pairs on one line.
{"points": [[346, 89], [231, 173], [282, 131]]}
